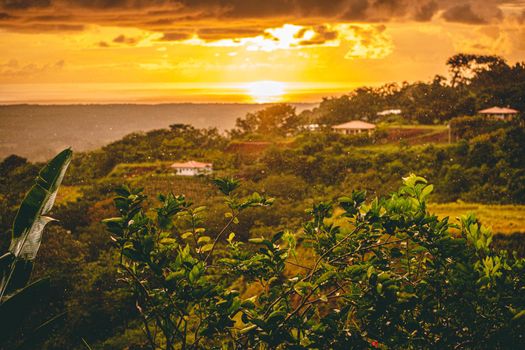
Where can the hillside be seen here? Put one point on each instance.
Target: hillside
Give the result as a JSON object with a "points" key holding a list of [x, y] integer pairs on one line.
{"points": [[39, 131]]}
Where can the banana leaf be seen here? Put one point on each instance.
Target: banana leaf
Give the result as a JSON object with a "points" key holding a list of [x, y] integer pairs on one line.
{"points": [[30, 220]]}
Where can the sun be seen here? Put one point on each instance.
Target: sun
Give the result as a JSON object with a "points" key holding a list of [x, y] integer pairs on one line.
{"points": [[266, 91]]}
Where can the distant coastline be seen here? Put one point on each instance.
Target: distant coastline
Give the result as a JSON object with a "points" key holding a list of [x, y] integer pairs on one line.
{"points": [[37, 131]]}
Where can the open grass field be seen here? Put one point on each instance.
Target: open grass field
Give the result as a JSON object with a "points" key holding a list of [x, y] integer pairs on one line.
{"points": [[68, 194], [503, 219]]}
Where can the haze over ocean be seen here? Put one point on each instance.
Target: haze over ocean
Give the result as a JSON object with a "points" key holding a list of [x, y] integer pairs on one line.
{"points": [[39, 131]]}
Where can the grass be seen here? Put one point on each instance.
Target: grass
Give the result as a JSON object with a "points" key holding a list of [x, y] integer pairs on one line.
{"points": [[68, 194], [416, 126], [128, 169], [395, 147], [503, 219]]}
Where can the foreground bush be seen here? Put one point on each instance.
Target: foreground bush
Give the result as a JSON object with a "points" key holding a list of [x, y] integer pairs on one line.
{"points": [[385, 273]]}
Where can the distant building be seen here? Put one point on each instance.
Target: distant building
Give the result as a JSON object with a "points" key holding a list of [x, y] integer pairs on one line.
{"points": [[354, 127], [310, 127], [500, 113], [192, 168], [387, 112]]}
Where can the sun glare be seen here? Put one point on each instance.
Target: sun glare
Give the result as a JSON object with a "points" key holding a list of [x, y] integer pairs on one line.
{"points": [[266, 91]]}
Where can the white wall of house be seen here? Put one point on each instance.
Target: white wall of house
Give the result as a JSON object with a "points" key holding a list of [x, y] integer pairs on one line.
{"points": [[193, 171], [354, 131]]}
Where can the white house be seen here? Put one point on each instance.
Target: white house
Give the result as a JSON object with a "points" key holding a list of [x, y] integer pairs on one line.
{"points": [[310, 127], [354, 127], [192, 168], [388, 112], [501, 113]]}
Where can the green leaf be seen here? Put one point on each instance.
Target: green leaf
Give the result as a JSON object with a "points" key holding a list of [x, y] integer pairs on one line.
{"points": [[248, 329], [249, 303], [226, 185], [203, 239], [519, 315], [426, 191], [168, 240], [302, 287], [325, 277], [194, 274], [276, 316], [30, 219], [187, 235], [206, 248], [277, 236]]}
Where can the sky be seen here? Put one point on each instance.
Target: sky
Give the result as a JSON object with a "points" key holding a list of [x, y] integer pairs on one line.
{"points": [[69, 51]]}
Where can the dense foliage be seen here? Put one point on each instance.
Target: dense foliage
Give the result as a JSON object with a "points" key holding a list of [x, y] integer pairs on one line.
{"points": [[484, 163], [384, 273], [475, 82], [18, 297]]}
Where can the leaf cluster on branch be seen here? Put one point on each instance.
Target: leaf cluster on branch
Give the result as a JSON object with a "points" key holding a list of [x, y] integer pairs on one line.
{"points": [[382, 273]]}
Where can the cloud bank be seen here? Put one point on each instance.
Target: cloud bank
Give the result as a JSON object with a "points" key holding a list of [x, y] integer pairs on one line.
{"points": [[220, 19]]}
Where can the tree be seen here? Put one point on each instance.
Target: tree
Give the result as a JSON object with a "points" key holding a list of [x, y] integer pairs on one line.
{"points": [[463, 67], [276, 120], [383, 273]]}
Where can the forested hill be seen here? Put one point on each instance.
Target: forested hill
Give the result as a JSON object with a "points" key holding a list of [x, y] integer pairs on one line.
{"points": [[37, 132], [474, 82]]}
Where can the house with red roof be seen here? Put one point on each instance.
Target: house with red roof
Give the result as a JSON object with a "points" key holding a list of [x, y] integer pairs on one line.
{"points": [[192, 168], [354, 127], [501, 113]]}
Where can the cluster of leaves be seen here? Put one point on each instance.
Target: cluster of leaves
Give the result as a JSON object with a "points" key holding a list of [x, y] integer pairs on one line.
{"points": [[18, 297], [385, 273], [168, 259], [471, 126]]}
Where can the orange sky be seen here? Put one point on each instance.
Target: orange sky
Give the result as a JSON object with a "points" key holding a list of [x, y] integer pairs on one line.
{"points": [[243, 51]]}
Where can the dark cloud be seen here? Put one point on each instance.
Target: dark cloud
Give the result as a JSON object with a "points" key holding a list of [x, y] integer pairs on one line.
{"points": [[356, 10], [217, 33], [175, 36], [463, 14], [204, 16], [322, 34], [426, 11], [5, 16], [24, 4], [122, 39]]}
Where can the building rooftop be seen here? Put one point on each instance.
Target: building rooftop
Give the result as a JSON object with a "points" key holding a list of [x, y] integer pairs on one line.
{"points": [[191, 164], [355, 124], [498, 110]]}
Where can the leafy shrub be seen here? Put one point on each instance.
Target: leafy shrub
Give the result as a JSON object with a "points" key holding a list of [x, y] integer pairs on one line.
{"points": [[385, 273], [18, 297], [468, 127]]}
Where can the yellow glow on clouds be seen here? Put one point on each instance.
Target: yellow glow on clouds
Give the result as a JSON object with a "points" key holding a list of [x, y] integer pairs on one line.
{"points": [[364, 40]]}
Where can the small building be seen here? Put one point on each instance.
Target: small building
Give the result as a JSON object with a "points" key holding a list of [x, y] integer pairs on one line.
{"points": [[501, 113], [192, 168], [389, 112], [310, 127], [354, 127]]}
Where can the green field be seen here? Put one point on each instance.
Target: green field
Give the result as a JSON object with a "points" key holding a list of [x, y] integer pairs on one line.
{"points": [[503, 219]]}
